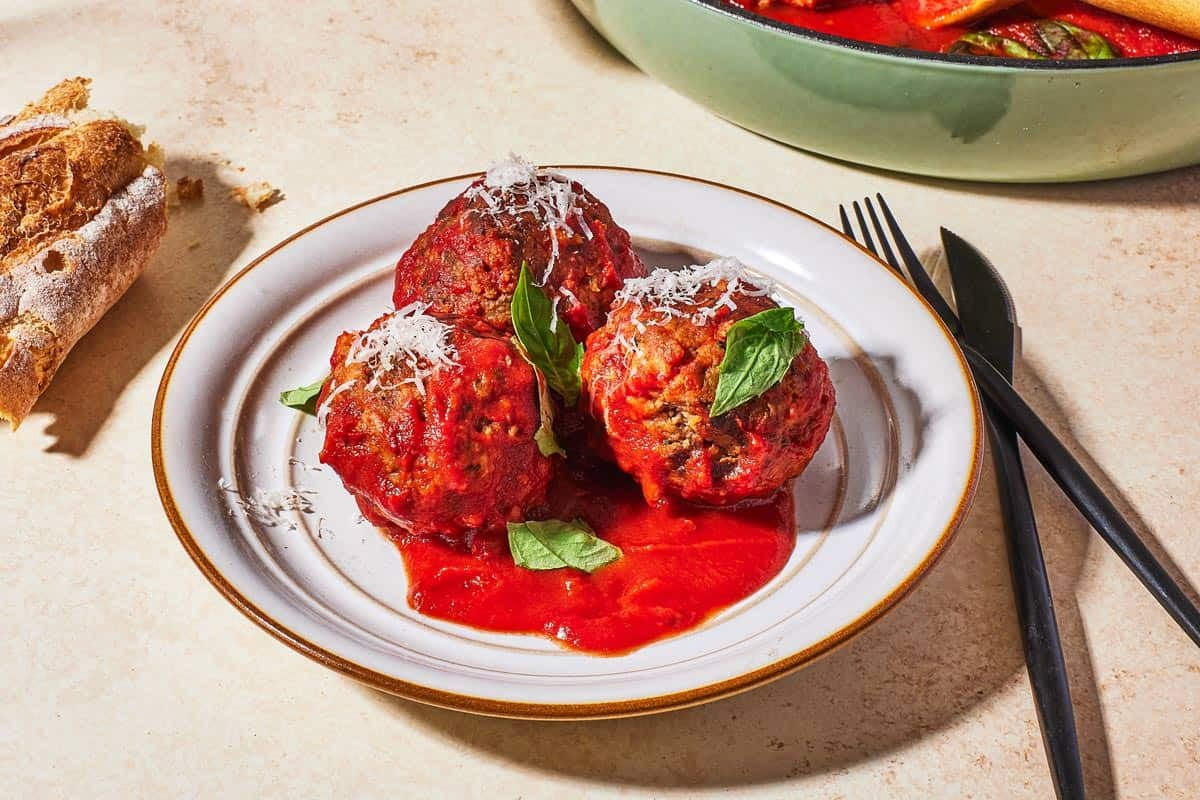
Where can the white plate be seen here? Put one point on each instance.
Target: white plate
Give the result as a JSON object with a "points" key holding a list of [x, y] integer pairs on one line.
{"points": [[876, 508]]}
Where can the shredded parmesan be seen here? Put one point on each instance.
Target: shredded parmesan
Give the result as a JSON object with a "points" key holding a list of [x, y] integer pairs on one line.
{"points": [[515, 186], [408, 338], [326, 406], [267, 506], [673, 293]]}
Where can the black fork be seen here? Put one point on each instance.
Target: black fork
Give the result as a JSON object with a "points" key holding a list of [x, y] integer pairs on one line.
{"points": [[1068, 473], [1031, 586]]}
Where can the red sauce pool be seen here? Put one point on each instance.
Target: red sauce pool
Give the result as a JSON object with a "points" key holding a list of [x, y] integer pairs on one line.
{"points": [[680, 565], [892, 23]]}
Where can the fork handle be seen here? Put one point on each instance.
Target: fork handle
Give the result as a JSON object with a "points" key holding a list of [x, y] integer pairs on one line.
{"points": [[1035, 612], [1091, 501]]}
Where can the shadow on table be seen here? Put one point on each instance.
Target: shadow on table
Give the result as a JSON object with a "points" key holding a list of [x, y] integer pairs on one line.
{"points": [[940, 653], [1174, 188], [202, 242]]}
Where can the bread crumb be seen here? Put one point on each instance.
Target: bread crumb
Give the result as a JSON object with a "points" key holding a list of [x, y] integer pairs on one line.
{"points": [[192, 245], [189, 190], [156, 156], [259, 195]]}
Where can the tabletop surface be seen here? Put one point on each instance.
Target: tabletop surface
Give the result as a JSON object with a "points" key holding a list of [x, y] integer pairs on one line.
{"points": [[127, 675]]}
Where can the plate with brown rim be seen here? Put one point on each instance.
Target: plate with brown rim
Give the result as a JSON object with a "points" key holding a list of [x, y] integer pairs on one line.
{"points": [[874, 511]]}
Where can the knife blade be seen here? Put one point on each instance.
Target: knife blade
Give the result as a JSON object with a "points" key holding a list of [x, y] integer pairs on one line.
{"points": [[985, 307], [988, 324]]}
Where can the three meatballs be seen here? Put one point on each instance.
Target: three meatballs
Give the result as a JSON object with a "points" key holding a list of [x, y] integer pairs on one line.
{"points": [[430, 423], [652, 372], [468, 261], [432, 414]]}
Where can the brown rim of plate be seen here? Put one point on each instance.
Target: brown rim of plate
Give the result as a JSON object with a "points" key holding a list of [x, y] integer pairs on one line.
{"points": [[553, 711]]}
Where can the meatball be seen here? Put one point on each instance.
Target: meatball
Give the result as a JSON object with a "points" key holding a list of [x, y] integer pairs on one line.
{"points": [[468, 261], [430, 423], [651, 374]]}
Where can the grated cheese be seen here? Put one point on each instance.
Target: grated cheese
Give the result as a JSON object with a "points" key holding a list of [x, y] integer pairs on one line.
{"points": [[515, 186], [325, 407], [673, 293], [409, 338], [267, 506]]}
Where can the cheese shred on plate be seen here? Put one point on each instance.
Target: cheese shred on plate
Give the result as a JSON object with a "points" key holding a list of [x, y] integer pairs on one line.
{"points": [[268, 506], [515, 186], [673, 293], [408, 339]]}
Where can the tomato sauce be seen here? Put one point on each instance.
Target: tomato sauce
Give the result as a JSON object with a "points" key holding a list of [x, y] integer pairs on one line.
{"points": [[680, 565], [895, 23]]}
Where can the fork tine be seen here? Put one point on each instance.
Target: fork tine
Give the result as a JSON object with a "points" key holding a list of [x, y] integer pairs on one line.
{"points": [[866, 232], [916, 270], [888, 255], [847, 228]]}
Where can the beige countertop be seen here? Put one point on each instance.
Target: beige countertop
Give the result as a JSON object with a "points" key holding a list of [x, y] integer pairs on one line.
{"points": [[127, 675]]}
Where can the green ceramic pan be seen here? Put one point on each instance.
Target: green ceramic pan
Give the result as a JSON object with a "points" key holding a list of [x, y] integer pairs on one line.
{"points": [[949, 116]]}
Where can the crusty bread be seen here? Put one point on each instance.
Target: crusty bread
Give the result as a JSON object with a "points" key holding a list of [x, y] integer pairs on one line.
{"points": [[1181, 16], [82, 208]]}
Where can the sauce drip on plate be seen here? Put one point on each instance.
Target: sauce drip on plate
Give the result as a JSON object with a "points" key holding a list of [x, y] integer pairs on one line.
{"points": [[681, 564]]}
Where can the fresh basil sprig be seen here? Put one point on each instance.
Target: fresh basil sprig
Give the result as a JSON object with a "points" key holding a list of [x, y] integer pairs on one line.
{"points": [[554, 544], [758, 352], [1064, 40], [982, 43], [547, 340], [303, 398], [1056, 39]]}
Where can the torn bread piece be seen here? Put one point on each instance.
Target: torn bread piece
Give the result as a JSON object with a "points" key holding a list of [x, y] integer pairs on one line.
{"points": [[1181, 16], [82, 209]]}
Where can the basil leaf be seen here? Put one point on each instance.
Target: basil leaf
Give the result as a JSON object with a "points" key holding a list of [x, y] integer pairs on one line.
{"points": [[547, 340], [547, 444], [1068, 41], [544, 437], [554, 544], [981, 43], [758, 352], [303, 398]]}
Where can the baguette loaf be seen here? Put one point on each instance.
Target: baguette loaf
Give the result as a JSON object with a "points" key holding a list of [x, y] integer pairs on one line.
{"points": [[1181, 16], [82, 208]]}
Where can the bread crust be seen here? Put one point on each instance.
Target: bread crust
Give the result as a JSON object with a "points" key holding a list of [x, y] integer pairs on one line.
{"points": [[1181, 16], [81, 212]]}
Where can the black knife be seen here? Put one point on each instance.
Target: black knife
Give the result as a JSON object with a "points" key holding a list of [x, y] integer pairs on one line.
{"points": [[1066, 470], [988, 324]]}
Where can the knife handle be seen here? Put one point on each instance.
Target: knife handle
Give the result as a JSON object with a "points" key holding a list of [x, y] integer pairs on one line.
{"points": [[1091, 501], [1035, 611]]}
